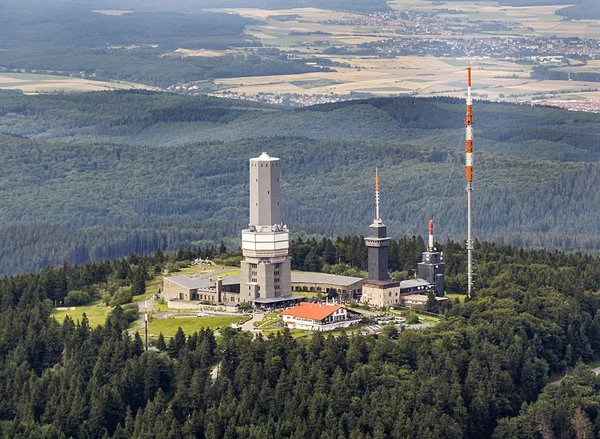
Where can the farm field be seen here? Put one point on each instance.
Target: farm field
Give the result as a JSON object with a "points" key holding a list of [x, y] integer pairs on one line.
{"points": [[420, 76], [34, 83]]}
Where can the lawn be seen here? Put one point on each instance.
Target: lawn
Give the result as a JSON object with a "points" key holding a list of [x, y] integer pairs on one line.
{"points": [[271, 320], [296, 333], [460, 297], [169, 327], [96, 313]]}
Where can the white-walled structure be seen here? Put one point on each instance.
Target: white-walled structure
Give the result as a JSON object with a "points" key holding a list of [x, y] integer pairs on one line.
{"points": [[319, 317]]}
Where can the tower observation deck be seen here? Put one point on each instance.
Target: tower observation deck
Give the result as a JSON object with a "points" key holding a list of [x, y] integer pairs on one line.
{"points": [[265, 274]]}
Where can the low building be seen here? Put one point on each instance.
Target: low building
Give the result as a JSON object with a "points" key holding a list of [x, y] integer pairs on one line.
{"points": [[381, 293], [318, 317], [344, 286], [385, 294], [227, 289], [414, 300], [213, 290]]}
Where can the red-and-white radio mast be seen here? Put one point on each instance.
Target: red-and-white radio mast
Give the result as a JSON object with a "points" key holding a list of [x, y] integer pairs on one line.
{"points": [[430, 246], [469, 171]]}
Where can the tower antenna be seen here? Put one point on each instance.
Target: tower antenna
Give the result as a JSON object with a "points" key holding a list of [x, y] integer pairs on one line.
{"points": [[430, 247], [377, 194], [469, 175], [146, 321]]}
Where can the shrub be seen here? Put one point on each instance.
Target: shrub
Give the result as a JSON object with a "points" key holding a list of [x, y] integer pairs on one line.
{"points": [[77, 298], [123, 296]]}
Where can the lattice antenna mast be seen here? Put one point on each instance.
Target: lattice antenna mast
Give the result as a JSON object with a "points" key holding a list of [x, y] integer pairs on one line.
{"points": [[146, 321], [469, 175], [377, 194]]}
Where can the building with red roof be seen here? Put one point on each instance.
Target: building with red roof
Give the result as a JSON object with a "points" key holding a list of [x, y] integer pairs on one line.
{"points": [[319, 317]]}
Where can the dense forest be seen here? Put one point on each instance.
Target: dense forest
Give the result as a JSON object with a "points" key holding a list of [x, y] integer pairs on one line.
{"points": [[544, 72], [70, 27], [476, 374], [98, 175], [577, 9], [150, 66], [73, 40], [187, 6], [581, 10]]}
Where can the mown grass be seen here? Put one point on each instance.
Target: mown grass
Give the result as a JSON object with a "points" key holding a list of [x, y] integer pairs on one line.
{"points": [[169, 327], [96, 313]]}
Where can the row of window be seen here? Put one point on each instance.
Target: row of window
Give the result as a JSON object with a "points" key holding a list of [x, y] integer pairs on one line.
{"points": [[266, 165]]}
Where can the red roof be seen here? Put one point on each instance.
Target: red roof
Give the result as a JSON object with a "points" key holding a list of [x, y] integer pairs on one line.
{"points": [[313, 311]]}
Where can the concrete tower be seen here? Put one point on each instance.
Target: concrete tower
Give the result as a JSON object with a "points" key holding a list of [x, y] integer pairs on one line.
{"points": [[431, 267], [265, 274], [379, 290], [378, 242]]}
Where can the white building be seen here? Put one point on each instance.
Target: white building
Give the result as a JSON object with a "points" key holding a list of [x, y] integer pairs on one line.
{"points": [[318, 317]]}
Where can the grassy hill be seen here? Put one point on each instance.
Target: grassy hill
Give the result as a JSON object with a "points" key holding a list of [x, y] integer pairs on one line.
{"points": [[101, 174]]}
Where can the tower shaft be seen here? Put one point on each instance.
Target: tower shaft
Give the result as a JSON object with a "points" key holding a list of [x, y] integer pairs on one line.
{"points": [[265, 272], [377, 242], [469, 176]]}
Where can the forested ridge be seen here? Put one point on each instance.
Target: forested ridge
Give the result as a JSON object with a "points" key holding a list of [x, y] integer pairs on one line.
{"points": [[535, 312], [98, 175]]}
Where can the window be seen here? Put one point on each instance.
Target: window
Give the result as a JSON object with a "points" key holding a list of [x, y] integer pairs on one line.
{"points": [[254, 273], [253, 280], [276, 273], [276, 280]]}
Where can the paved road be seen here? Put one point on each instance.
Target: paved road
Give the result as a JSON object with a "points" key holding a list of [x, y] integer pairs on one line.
{"points": [[558, 381], [214, 373], [249, 325]]}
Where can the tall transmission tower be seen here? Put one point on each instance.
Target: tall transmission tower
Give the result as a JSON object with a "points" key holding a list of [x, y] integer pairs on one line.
{"points": [[469, 172]]}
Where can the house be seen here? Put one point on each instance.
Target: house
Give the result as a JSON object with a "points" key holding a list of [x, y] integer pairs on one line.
{"points": [[319, 317]]}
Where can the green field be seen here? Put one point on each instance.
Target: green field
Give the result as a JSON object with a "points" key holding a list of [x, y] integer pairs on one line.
{"points": [[296, 333], [96, 313], [460, 297], [169, 327]]}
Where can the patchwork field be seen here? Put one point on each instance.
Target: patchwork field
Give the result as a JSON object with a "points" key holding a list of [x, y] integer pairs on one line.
{"points": [[305, 30], [420, 76], [33, 83]]}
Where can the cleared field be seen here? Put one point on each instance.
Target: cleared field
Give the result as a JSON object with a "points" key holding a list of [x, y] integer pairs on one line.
{"points": [[169, 327], [113, 12], [205, 52], [420, 75], [306, 14], [32, 83], [96, 313]]}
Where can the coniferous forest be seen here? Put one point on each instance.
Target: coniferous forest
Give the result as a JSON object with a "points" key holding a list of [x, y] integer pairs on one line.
{"points": [[482, 372], [98, 175]]}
